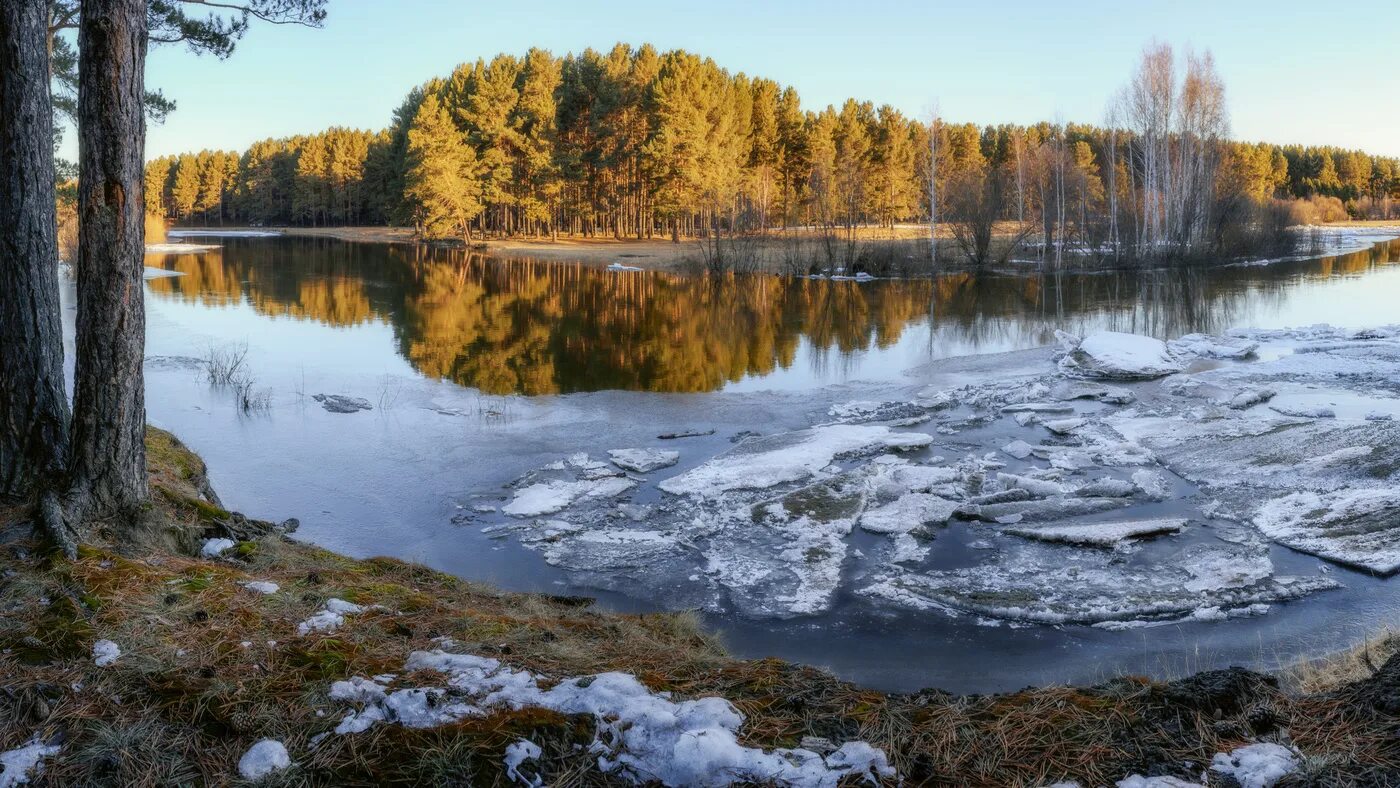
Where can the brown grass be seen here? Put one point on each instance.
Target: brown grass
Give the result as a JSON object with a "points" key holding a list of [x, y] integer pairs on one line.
{"points": [[186, 698]]}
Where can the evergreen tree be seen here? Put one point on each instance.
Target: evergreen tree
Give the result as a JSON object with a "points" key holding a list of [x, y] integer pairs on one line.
{"points": [[442, 182]]}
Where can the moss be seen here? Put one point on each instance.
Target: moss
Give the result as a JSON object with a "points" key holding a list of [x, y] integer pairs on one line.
{"points": [[60, 632]]}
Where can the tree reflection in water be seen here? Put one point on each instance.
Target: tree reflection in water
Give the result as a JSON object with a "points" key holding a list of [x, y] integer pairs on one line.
{"points": [[509, 325]]}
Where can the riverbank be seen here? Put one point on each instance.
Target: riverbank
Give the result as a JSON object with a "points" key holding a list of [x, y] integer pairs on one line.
{"points": [[163, 668], [900, 251]]}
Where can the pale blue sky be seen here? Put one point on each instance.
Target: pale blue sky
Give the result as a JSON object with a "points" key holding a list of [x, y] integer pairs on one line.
{"points": [[1304, 72]]}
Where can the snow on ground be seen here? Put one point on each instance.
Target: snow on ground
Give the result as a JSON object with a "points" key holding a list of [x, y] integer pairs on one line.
{"points": [[1185, 470], [180, 248], [1257, 765], [215, 233], [262, 586], [515, 757], [104, 653], [22, 763], [330, 617], [641, 736], [211, 548], [262, 759]]}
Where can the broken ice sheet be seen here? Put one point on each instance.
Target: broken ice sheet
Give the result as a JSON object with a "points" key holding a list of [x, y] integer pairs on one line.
{"points": [[789, 562], [1106, 534], [1064, 586], [1111, 355], [763, 462], [1355, 527], [643, 460]]}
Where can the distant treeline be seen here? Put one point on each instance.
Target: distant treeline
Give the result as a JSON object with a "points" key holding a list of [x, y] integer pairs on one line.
{"points": [[638, 143]]}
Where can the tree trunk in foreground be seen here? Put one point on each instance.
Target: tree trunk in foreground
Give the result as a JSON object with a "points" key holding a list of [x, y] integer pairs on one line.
{"points": [[33, 406], [109, 454]]}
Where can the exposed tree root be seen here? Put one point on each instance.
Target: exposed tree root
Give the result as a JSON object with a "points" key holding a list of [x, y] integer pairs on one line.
{"points": [[56, 526]]}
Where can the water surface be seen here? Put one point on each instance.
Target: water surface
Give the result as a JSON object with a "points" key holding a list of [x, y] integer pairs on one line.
{"points": [[483, 368]]}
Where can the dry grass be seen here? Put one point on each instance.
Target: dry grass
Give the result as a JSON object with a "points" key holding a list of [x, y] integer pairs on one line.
{"points": [[187, 697], [1356, 663]]}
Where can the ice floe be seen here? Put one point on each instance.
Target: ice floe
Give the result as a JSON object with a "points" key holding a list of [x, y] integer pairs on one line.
{"points": [[1050, 588], [641, 736], [767, 461], [1045, 469], [1356, 527], [1117, 356], [1101, 534], [644, 460], [342, 403]]}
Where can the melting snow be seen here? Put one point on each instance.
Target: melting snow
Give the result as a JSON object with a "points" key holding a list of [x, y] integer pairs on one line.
{"points": [[24, 762], [213, 547], [1257, 765], [105, 653], [262, 759], [641, 736], [330, 617]]}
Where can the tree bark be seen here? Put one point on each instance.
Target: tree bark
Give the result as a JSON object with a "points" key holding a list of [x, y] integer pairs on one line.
{"points": [[109, 454], [33, 405]]}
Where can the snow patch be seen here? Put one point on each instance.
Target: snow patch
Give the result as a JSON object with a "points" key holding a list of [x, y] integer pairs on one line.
{"points": [[641, 736], [212, 548], [24, 762], [262, 759], [1257, 765], [105, 653]]}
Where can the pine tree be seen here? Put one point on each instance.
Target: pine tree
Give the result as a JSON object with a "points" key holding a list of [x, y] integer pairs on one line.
{"points": [[442, 181], [184, 190]]}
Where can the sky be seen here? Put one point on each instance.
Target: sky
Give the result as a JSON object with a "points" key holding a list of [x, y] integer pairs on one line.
{"points": [[1294, 71]]}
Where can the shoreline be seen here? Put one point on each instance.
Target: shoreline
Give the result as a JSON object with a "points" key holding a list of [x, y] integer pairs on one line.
{"points": [[663, 255], [173, 682]]}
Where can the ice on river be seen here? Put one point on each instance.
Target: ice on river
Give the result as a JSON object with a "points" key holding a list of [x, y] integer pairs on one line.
{"points": [[768, 461], [1094, 588], [644, 460], [1106, 534], [1113, 355], [1356, 526], [1150, 498]]}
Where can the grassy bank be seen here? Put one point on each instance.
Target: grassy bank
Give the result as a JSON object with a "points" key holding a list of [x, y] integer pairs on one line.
{"points": [[209, 666]]}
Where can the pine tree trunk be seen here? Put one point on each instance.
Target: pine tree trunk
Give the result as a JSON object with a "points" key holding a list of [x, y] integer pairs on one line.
{"points": [[109, 455], [33, 406]]}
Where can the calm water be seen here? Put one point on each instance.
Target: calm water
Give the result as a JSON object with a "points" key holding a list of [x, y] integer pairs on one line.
{"points": [[519, 326], [482, 369]]}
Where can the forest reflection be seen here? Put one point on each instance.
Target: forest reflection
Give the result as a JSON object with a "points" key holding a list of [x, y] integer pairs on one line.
{"points": [[522, 326]]}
